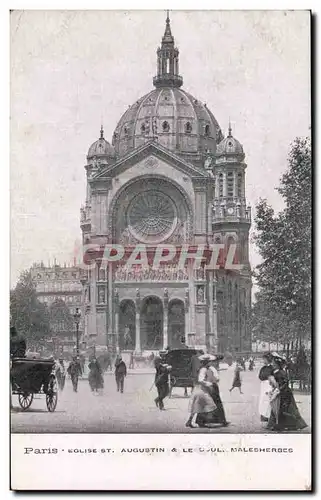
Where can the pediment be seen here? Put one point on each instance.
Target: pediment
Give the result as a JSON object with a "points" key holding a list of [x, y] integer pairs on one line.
{"points": [[152, 152]]}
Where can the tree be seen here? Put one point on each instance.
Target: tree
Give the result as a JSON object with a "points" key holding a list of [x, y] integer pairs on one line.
{"points": [[284, 242], [28, 314], [61, 320]]}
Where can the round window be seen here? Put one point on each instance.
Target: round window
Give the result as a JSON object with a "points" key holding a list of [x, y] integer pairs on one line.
{"points": [[152, 216]]}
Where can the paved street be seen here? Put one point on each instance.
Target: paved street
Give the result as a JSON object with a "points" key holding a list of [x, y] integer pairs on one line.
{"points": [[135, 410]]}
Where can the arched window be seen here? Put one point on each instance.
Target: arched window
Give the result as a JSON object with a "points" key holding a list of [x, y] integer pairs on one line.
{"points": [[188, 128], [143, 128], [207, 130], [220, 185], [165, 126], [126, 130]]}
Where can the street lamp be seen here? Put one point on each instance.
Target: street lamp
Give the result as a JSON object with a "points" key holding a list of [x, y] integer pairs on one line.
{"points": [[77, 316]]}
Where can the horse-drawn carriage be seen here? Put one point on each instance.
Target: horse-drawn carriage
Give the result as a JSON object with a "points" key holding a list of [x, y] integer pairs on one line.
{"points": [[181, 374], [34, 376]]}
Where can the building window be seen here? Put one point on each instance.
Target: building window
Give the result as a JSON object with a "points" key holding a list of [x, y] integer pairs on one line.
{"points": [[207, 130], [165, 127], [188, 128], [143, 129], [125, 130]]}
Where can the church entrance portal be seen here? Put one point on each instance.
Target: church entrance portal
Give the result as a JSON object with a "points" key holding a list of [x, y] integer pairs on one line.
{"points": [[176, 323], [127, 325], [152, 323]]}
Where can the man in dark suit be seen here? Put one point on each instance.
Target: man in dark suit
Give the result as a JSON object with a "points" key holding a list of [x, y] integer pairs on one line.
{"points": [[120, 373]]}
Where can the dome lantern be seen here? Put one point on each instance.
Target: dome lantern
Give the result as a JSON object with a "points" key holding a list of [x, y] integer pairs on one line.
{"points": [[101, 148], [167, 61]]}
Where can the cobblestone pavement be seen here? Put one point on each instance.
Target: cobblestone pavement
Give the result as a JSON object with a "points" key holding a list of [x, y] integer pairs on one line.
{"points": [[135, 410]]}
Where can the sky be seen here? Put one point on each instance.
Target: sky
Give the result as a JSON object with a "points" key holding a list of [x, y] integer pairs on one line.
{"points": [[72, 70]]}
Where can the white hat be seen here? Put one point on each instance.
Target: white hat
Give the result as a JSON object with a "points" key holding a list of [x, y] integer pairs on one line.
{"points": [[205, 357]]}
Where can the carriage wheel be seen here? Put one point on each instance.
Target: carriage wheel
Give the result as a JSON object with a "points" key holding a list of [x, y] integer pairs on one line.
{"points": [[51, 401], [25, 400], [52, 394]]}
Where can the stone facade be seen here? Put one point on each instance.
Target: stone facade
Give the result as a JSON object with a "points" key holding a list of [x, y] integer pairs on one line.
{"points": [[59, 283], [169, 178]]}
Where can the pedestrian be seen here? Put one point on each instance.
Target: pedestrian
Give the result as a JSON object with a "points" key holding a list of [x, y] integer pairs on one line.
{"points": [[215, 390], [95, 377], [131, 361], [161, 382], [108, 364], [60, 374], [264, 374], [251, 364], [202, 409], [120, 373], [237, 381], [74, 370], [284, 411]]}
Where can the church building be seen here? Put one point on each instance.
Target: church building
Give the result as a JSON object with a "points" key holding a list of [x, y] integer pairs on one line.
{"points": [[168, 177]]}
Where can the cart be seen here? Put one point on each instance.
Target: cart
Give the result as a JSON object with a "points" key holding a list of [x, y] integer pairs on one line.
{"points": [[181, 374], [34, 376]]}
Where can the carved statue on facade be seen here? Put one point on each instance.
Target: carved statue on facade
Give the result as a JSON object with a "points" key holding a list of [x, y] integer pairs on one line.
{"points": [[127, 337], [165, 295], [101, 295], [200, 294]]}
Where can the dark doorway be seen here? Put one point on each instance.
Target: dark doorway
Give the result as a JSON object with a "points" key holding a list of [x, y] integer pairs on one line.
{"points": [[176, 323], [127, 325], [151, 328]]}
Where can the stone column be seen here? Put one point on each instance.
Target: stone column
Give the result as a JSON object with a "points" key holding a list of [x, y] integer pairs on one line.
{"points": [[165, 319], [83, 281], [215, 332], [191, 291], [110, 300], [224, 185], [116, 305], [138, 348], [187, 327], [210, 303], [94, 301], [217, 186], [235, 184]]}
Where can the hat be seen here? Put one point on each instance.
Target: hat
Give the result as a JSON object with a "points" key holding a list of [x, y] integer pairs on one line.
{"points": [[217, 357], [205, 357], [277, 357]]}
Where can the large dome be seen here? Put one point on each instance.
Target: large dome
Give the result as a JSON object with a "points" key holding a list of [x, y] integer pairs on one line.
{"points": [[168, 114], [176, 119]]}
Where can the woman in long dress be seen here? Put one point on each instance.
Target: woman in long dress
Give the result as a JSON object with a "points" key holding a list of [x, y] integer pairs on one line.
{"points": [[202, 409], [95, 377], [284, 411], [264, 374], [215, 390], [237, 381]]}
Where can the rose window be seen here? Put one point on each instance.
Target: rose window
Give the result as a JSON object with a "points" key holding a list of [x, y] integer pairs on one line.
{"points": [[152, 216]]}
